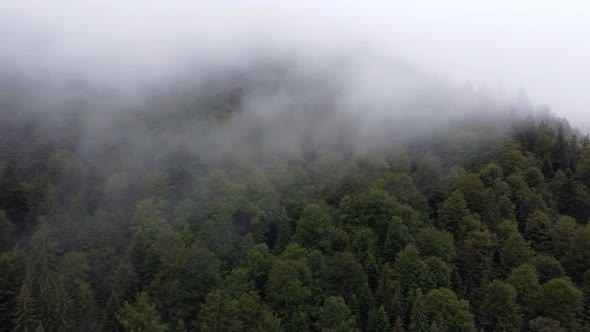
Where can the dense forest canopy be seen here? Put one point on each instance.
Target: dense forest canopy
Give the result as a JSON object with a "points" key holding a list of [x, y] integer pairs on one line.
{"points": [[279, 197]]}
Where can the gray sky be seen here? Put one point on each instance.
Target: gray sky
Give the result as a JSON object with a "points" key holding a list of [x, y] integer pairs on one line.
{"points": [[540, 46]]}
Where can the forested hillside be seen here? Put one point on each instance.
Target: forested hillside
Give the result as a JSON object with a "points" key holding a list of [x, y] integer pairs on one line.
{"points": [[145, 221]]}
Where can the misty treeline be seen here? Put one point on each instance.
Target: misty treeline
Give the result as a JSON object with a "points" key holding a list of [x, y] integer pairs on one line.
{"points": [[258, 202]]}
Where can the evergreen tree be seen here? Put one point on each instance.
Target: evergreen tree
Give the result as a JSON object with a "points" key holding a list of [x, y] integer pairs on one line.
{"points": [[561, 235], [561, 153], [418, 318], [499, 310], [85, 311], [44, 259], [12, 267], [379, 322], [547, 268], [491, 214], [255, 315], [25, 320], [476, 261], [398, 326], [433, 242], [537, 231], [6, 228], [314, 229], [47, 288], [449, 312], [526, 283], [409, 272], [514, 251], [559, 299], [452, 212], [109, 317], [544, 324], [396, 238], [335, 316], [41, 199], [140, 316]]}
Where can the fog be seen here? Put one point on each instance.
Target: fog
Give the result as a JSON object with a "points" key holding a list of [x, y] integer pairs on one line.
{"points": [[381, 62]]}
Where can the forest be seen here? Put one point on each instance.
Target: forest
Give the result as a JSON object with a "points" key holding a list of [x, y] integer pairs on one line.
{"points": [[138, 220]]}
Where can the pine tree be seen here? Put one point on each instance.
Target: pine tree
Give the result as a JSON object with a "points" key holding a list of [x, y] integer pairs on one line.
{"points": [[219, 313], [181, 326], [448, 311], [585, 311], [537, 231], [10, 281], [418, 318], [25, 320], [140, 316], [109, 317], [491, 214], [44, 259], [559, 299], [256, 316], [398, 326], [6, 228], [41, 200], [297, 321], [379, 321], [514, 251], [335, 316], [434, 327], [47, 288], [452, 212], [560, 153], [499, 310], [396, 238], [85, 309], [525, 281]]}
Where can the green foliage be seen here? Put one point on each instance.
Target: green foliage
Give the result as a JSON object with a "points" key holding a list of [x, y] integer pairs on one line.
{"points": [[577, 261], [288, 283], [409, 272], [140, 316], [537, 231], [25, 320], [526, 283], [379, 322], [474, 191], [561, 235], [335, 316], [452, 213], [396, 238], [547, 268], [433, 242], [255, 315], [449, 312], [418, 317], [514, 251], [219, 313], [438, 273], [499, 310], [544, 324], [475, 258], [314, 229], [511, 158], [6, 228], [47, 288], [422, 235], [559, 299], [184, 277], [12, 265]]}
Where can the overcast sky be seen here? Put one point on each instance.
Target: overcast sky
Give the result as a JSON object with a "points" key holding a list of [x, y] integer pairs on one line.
{"points": [[540, 46]]}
